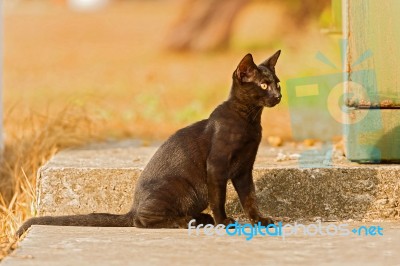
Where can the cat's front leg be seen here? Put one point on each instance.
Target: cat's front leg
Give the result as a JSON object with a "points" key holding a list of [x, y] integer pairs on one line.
{"points": [[216, 182], [244, 186]]}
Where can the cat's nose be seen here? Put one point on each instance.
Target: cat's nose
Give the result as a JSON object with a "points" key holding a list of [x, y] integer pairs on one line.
{"points": [[278, 97]]}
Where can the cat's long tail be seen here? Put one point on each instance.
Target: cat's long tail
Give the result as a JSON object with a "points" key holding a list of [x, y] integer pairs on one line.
{"points": [[93, 219]]}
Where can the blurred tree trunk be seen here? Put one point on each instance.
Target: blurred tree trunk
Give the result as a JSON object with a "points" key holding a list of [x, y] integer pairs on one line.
{"points": [[207, 24], [304, 10], [204, 24]]}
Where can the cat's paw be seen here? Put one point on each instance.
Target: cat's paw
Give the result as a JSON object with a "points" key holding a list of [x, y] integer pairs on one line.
{"points": [[265, 221], [204, 218], [228, 221]]}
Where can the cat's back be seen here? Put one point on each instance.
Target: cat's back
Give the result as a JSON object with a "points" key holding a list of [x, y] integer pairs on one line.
{"points": [[185, 150]]}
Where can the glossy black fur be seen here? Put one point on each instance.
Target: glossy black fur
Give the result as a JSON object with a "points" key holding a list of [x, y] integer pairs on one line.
{"points": [[190, 171]]}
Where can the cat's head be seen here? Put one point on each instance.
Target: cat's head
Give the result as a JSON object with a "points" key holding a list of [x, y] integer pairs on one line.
{"points": [[257, 85]]}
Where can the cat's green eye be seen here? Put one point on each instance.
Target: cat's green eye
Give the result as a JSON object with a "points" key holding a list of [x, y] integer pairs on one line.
{"points": [[264, 86]]}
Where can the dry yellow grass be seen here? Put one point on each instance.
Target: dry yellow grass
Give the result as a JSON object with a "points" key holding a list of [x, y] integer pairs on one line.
{"points": [[29, 143]]}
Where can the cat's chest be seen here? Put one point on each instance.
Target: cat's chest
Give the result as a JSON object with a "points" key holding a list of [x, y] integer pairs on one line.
{"points": [[236, 142], [242, 135], [233, 135], [242, 146], [239, 141], [243, 151]]}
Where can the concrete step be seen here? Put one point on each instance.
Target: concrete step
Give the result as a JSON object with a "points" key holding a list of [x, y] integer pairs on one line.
{"points": [[62, 246], [291, 181]]}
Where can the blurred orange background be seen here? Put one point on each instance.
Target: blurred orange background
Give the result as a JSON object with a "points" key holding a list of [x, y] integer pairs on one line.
{"points": [[76, 72], [115, 62]]}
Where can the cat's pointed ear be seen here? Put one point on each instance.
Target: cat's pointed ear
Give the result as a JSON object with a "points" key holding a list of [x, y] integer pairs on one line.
{"points": [[271, 62], [246, 69]]}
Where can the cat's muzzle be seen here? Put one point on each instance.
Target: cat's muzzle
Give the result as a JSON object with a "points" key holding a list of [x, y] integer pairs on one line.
{"points": [[272, 102]]}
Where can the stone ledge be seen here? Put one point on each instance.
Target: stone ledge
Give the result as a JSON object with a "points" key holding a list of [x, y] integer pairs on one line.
{"points": [[319, 183], [61, 246]]}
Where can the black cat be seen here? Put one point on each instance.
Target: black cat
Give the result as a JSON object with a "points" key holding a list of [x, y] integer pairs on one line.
{"points": [[191, 169]]}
